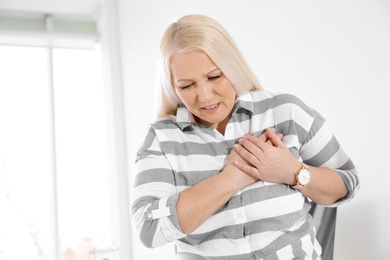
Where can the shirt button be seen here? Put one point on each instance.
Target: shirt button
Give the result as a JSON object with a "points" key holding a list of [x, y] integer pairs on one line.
{"points": [[149, 215], [244, 247], [229, 127], [239, 215]]}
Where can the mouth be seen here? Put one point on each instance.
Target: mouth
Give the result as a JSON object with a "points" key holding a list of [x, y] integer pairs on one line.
{"points": [[212, 108]]}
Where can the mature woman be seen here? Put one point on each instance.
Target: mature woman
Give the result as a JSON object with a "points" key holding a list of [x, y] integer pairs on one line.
{"points": [[228, 169]]}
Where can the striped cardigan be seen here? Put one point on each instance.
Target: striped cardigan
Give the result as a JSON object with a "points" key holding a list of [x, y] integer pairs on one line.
{"points": [[263, 220]]}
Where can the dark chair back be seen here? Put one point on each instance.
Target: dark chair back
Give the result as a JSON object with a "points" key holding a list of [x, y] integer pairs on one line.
{"points": [[325, 224]]}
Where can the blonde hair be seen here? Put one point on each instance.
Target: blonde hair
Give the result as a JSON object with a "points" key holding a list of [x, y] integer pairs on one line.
{"points": [[198, 32]]}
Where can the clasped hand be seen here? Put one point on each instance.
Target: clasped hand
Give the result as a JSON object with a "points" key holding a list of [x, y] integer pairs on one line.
{"points": [[266, 158]]}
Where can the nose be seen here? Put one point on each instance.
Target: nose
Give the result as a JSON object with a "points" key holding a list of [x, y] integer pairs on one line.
{"points": [[205, 92]]}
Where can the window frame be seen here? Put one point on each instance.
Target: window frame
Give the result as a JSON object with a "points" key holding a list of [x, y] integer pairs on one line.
{"points": [[63, 30]]}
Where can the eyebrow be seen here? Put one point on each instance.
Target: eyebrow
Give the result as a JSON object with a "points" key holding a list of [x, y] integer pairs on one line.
{"points": [[211, 71]]}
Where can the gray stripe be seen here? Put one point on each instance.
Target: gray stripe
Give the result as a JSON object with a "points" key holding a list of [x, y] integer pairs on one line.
{"points": [[144, 151], [272, 257], [317, 124], [142, 154], [354, 177], [183, 178], [289, 127], [164, 124], [190, 256], [325, 154], [271, 103], [313, 238], [256, 195], [298, 251], [171, 202], [149, 228], [150, 136], [265, 193], [289, 238], [228, 232], [190, 178], [191, 148], [154, 175], [142, 202], [347, 166], [183, 126], [350, 179]]}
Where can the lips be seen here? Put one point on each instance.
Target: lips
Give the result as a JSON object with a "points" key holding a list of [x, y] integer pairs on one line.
{"points": [[212, 108]]}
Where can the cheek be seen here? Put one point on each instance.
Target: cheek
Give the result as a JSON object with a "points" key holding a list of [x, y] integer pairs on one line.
{"points": [[226, 85], [185, 97], [230, 91]]}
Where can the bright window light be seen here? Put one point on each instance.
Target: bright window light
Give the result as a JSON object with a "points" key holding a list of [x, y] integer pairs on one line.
{"points": [[26, 223]]}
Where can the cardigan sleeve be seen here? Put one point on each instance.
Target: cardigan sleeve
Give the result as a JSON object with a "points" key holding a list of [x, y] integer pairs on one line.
{"points": [[154, 196]]}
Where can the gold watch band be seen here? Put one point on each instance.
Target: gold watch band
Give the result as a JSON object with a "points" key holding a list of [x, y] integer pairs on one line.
{"points": [[296, 176]]}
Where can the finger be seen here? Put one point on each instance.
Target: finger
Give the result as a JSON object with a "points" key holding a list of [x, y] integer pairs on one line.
{"points": [[272, 130], [248, 169], [247, 155], [252, 143], [258, 142], [263, 137], [275, 139]]}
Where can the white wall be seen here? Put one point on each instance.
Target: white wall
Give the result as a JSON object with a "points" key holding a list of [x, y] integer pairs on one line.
{"points": [[334, 55]]}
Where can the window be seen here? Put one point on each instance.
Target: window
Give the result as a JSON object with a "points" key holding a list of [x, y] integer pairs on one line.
{"points": [[65, 213]]}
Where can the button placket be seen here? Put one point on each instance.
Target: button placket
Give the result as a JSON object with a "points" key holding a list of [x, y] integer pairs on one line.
{"points": [[244, 246], [229, 133]]}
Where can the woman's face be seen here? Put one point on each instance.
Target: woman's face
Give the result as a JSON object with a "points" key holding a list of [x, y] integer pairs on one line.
{"points": [[203, 88]]}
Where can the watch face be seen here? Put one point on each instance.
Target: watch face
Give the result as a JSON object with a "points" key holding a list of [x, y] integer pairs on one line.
{"points": [[304, 177]]}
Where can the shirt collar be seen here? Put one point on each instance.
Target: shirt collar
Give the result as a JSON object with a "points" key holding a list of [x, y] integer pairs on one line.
{"points": [[245, 101], [184, 118]]}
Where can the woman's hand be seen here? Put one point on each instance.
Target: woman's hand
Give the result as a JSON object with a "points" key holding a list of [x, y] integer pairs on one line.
{"points": [[197, 203], [241, 177], [240, 173], [267, 158]]}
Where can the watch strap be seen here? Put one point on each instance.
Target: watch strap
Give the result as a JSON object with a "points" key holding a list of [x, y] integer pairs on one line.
{"points": [[298, 185]]}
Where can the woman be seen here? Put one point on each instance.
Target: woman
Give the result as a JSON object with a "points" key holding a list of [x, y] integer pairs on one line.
{"points": [[227, 170]]}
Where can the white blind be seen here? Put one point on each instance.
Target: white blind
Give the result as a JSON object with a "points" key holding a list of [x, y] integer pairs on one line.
{"points": [[31, 29]]}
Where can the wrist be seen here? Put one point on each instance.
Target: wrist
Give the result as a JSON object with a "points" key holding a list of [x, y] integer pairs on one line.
{"points": [[235, 178]]}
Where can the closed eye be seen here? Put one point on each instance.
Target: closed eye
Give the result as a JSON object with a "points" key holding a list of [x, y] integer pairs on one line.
{"points": [[186, 86], [214, 77]]}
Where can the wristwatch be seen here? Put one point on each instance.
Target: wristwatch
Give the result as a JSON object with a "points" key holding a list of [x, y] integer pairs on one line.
{"points": [[302, 176]]}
